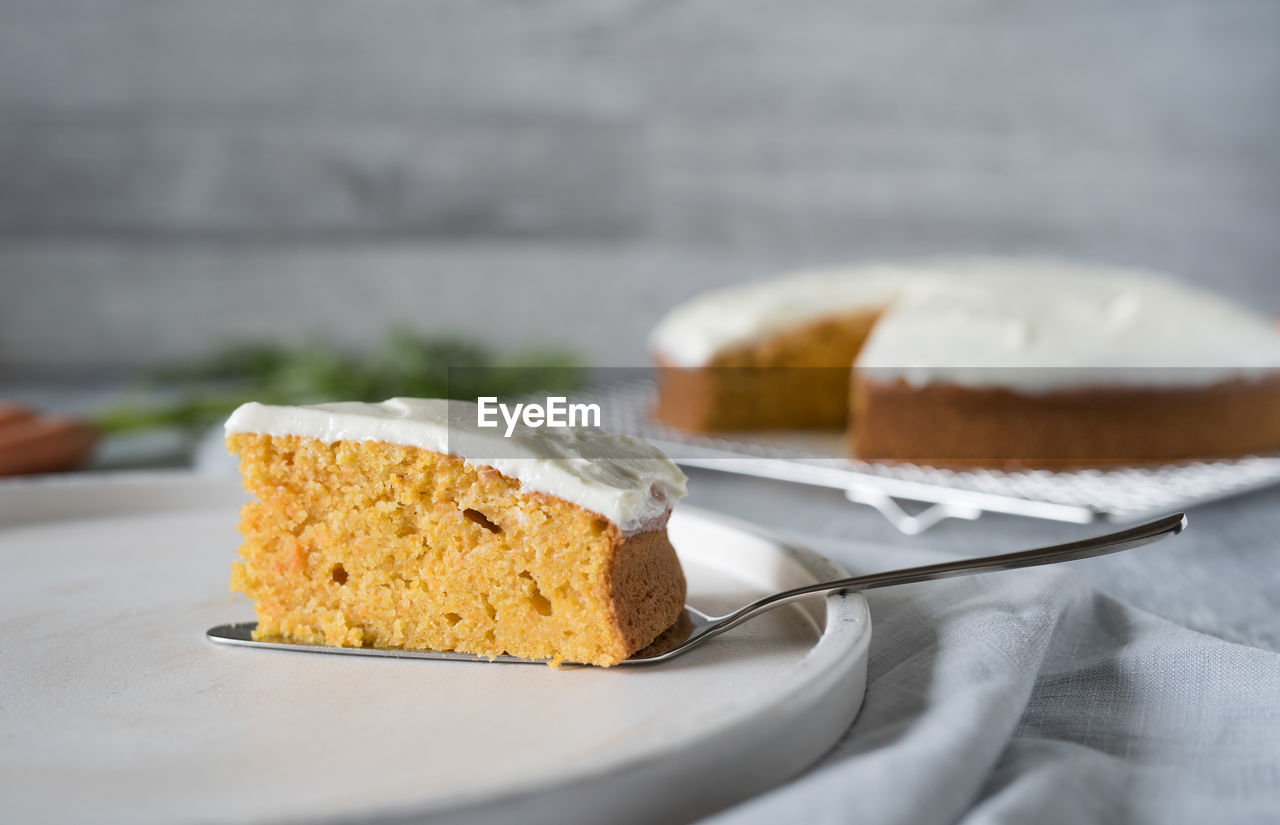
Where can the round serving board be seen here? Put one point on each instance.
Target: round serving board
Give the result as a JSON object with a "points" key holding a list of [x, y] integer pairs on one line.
{"points": [[115, 708]]}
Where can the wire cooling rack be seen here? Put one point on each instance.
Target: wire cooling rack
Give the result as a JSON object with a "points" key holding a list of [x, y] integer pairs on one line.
{"points": [[931, 494]]}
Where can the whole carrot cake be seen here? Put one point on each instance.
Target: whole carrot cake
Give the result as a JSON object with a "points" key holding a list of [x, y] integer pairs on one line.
{"points": [[404, 524], [979, 362]]}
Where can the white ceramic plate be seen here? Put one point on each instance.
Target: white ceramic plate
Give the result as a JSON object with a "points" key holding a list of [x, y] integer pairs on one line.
{"points": [[114, 707]]}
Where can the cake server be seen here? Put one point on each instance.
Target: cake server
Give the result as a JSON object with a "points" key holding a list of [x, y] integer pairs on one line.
{"points": [[697, 627]]}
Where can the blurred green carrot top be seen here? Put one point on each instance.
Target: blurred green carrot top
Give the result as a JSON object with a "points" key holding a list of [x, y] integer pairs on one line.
{"points": [[196, 395]]}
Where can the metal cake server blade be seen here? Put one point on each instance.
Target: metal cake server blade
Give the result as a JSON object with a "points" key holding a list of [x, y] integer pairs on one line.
{"points": [[696, 627], [241, 633]]}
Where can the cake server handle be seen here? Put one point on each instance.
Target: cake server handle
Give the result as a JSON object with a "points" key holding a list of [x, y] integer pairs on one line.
{"points": [[706, 627]]}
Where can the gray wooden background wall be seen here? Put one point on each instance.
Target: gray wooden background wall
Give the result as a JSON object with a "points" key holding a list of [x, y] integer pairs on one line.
{"points": [[174, 174]]}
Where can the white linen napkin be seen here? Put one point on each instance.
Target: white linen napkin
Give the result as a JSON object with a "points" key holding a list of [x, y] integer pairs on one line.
{"points": [[1029, 696]]}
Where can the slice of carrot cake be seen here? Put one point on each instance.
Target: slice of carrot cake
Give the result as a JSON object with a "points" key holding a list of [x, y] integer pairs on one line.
{"points": [[405, 524]]}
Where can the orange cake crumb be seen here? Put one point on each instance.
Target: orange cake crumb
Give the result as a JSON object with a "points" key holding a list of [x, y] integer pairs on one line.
{"points": [[366, 543]]}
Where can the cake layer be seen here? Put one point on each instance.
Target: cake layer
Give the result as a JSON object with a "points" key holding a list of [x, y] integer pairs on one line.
{"points": [[798, 378], [364, 542], [949, 425], [626, 480]]}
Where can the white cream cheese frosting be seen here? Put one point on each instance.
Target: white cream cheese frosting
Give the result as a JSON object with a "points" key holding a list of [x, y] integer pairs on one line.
{"points": [[708, 324], [1045, 326], [1027, 325], [626, 480]]}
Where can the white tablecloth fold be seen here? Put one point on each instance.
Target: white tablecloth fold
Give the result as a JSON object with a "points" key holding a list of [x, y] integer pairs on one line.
{"points": [[1029, 696]]}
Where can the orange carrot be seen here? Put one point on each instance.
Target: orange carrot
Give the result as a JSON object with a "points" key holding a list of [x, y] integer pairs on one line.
{"points": [[30, 443]]}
